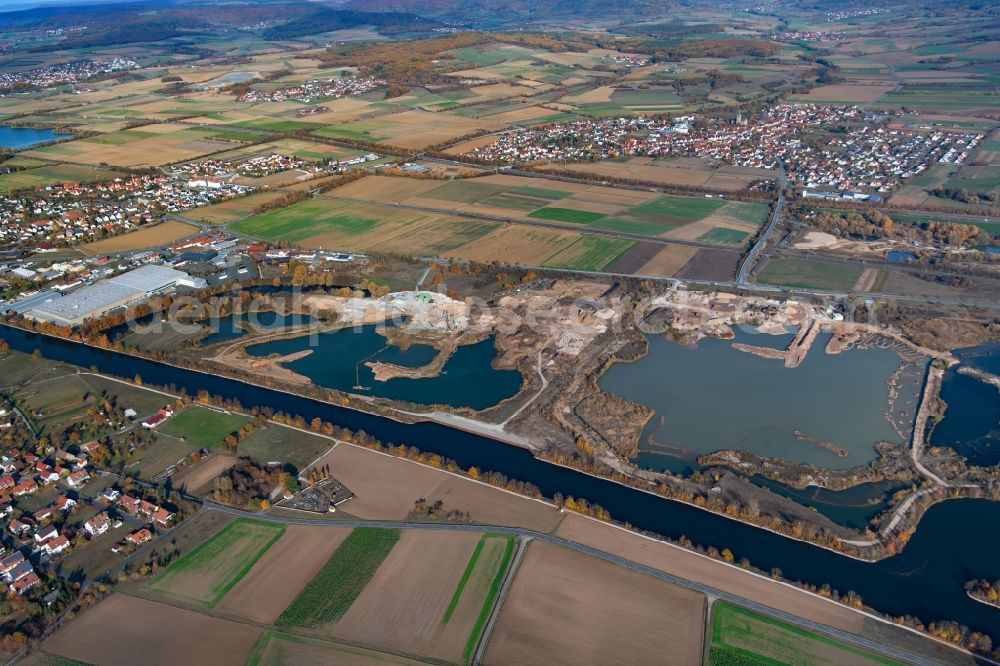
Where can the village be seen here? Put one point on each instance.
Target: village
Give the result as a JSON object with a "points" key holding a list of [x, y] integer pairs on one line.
{"points": [[311, 91], [35, 540], [871, 158], [61, 74]]}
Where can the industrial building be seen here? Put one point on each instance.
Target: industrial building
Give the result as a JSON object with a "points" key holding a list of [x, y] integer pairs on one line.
{"points": [[107, 295]]}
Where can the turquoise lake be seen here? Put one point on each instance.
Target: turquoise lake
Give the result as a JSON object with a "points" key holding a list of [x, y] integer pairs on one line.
{"points": [[338, 361]]}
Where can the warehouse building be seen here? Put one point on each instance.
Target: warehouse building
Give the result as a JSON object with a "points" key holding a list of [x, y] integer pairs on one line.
{"points": [[108, 295]]}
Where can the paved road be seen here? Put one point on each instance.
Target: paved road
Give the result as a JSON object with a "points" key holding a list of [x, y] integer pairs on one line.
{"points": [[527, 535], [743, 276], [508, 580]]}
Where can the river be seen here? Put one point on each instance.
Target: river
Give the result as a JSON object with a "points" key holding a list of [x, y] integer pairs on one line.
{"points": [[956, 541]]}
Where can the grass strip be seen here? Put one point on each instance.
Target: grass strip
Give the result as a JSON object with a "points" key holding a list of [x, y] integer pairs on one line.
{"points": [[208, 550], [332, 591], [464, 580], [724, 614], [491, 598]]}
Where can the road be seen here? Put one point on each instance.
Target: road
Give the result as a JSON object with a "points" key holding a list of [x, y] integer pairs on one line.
{"points": [[484, 638], [526, 535], [743, 276]]}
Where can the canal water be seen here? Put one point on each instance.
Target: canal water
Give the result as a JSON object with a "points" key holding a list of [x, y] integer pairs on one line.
{"points": [[337, 361], [716, 397], [24, 137], [956, 541]]}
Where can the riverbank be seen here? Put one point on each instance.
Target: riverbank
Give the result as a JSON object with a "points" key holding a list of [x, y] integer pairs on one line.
{"points": [[951, 539]]}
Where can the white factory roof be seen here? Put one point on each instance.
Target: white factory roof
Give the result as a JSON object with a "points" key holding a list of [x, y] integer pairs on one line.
{"points": [[149, 278], [81, 303]]}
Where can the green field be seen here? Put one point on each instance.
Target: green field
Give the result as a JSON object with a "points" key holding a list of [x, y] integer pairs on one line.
{"points": [[743, 638], [53, 175], [209, 571], [277, 125], [809, 274], [723, 236], [491, 595], [331, 592], [633, 226], [567, 215], [303, 220], [677, 210], [589, 253], [204, 428]]}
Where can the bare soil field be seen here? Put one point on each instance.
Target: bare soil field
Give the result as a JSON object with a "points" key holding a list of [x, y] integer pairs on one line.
{"points": [[161, 234], [567, 607], [386, 188], [517, 244], [845, 93], [711, 265], [668, 261], [277, 577], [161, 634], [278, 648], [514, 116], [691, 173], [694, 567], [404, 604], [386, 489]]}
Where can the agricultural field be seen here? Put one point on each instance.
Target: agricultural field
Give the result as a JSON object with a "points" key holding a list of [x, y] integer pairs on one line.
{"points": [[339, 224], [843, 93], [740, 636], [328, 596], [677, 171], [163, 233], [202, 427], [395, 484], [414, 129], [431, 596], [234, 209], [567, 607], [808, 274], [274, 581], [42, 176], [206, 574], [162, 634], [151, 145], [518, 199], [280, 648]]}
